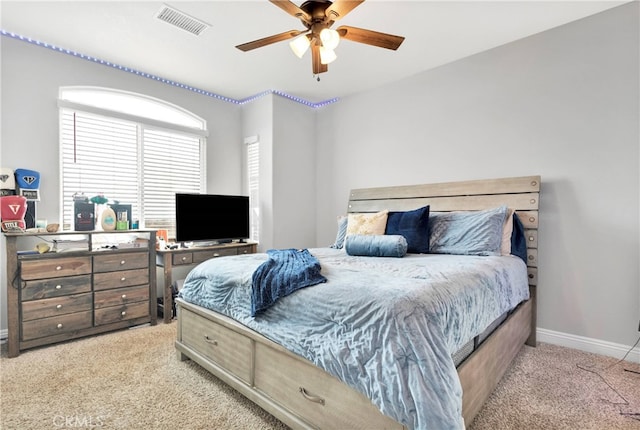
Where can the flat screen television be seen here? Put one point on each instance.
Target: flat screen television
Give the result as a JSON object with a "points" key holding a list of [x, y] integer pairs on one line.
{"points": [[211, 218]]}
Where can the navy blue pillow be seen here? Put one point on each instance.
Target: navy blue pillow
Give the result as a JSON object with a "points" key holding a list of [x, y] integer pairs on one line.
{"points": [[518, 239], [414, 226]]}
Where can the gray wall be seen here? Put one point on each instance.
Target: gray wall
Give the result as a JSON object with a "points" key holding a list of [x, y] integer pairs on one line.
{"points": [[294, 178], [562, 104], [286, 132], [31, 77], [258, 121]]}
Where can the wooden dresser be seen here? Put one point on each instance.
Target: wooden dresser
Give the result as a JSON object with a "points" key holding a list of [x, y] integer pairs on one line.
{"points": [[93, 283]]}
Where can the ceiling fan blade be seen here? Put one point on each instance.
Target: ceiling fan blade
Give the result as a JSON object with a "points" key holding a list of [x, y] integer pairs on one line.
{"points": [[370, 37], [292, 10], [340, 8], [269, 40], [317, 66]]}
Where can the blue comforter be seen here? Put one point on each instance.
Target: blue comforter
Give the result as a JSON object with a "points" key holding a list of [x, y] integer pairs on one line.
{"points": [[387, 327]]}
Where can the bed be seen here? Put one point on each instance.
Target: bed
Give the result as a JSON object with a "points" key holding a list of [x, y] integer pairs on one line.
{"points": [[327, 356]]}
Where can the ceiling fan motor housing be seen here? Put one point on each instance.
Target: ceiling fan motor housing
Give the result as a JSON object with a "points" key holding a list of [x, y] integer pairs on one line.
{"points": [[316, 9]]}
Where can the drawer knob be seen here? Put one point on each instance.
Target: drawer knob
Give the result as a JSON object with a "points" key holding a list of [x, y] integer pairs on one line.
{"points": [[531, 238], [122, 262], [58, 267], [532, 219], [123, 313], [59, 307], [215, 254], [184, 258], [124, 296], [59, 326], [314, 399], [530, 275], [123, 279], [211, 341], [58, 287]]}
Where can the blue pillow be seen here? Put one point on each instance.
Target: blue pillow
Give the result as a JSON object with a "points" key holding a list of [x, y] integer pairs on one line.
{"points": [[414, 226], [467, 233], [372, 245], [518, 239]]}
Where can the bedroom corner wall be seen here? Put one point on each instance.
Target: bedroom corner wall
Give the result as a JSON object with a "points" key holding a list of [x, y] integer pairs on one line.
{"points": [[294, 174], [563, 104], [30, 79], [287, 170]]}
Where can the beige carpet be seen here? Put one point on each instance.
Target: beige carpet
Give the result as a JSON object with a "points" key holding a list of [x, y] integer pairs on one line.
{"points": [[132, 380]]}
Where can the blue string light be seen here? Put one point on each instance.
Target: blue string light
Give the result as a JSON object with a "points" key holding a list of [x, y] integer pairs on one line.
{"points": [[163, 80]]}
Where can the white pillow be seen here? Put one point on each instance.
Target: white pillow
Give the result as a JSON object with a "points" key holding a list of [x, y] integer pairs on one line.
{"points": [[367, 223]]}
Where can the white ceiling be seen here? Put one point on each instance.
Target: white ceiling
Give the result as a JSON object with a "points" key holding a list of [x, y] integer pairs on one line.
{"points": [[437, 32]]}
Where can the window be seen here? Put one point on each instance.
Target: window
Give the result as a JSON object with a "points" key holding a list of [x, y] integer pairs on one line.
{"points": [[253, 170], [131, 148]]}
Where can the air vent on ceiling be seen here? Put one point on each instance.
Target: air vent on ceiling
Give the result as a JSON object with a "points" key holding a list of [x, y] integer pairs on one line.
{"points": [[181, 20]]}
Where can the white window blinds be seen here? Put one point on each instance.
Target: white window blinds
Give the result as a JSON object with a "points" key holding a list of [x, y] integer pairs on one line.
{"points": [[99, 156], [253, 171], [129, 162], [171, 164]]}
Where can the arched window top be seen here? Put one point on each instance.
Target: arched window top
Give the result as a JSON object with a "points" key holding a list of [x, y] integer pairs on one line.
{"points": [[128, 103]]}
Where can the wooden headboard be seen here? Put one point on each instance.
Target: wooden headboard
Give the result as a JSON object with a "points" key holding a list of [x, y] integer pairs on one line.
{"points": [[520, 193]]}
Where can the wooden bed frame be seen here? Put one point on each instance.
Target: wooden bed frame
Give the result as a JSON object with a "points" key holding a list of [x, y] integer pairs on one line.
{"points": [[302, 395]]}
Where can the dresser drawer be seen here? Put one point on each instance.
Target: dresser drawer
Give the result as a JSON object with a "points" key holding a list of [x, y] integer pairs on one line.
{"points": [[182, 258], [121, 313], [324, 402], [247, 249], [124, 278], [226, 348], [199, 257], [54, 267], [121, 296], [45, 308], [120, 261], [56, 325], [54, 287]]}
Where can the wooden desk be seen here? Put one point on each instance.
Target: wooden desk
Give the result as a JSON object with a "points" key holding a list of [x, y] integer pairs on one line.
{"points": [[171, 258]]}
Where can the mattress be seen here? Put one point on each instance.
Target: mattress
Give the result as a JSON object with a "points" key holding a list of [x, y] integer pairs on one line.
{"points": [[387, 327]]}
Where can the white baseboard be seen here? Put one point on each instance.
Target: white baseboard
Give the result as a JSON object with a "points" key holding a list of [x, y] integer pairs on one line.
{"points": [[587, 344], [581, 343]]}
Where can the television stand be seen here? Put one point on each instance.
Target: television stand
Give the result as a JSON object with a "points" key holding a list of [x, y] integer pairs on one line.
{"points": [[206, 244], [182, 257]]}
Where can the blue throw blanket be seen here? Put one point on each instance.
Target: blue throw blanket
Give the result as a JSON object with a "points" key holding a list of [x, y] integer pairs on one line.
{"points": [[286, 271]]}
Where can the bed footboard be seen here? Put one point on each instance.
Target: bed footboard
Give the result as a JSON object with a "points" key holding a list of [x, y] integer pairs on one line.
{"points": [[287, 386], [304, 396]]}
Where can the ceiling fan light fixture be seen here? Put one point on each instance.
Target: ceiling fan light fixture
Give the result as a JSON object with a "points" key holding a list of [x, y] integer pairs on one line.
{"points": [[327, 55], [330, 38], [300, 45]]}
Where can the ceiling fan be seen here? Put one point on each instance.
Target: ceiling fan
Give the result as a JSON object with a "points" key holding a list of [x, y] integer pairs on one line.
{"points": [[318, 16]]}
